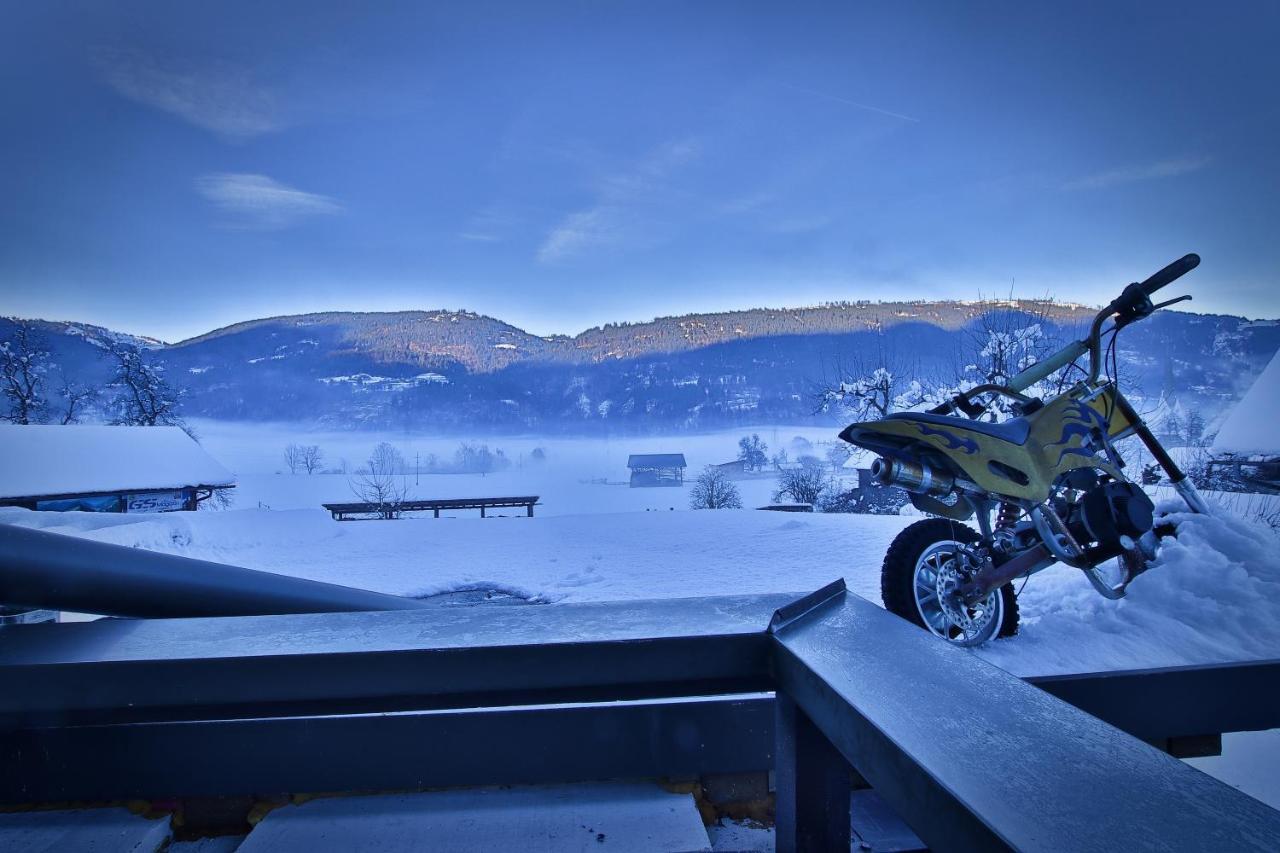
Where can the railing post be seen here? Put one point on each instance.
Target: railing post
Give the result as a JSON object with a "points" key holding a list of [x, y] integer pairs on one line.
{"points": [[812, 785]]}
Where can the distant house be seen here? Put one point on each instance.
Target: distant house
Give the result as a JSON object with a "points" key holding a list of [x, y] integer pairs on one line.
{"points": [[105, 469], [735, 470], [656, 469]]}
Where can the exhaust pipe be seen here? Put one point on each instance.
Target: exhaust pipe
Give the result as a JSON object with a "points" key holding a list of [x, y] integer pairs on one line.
{"points": [[916, 477]]}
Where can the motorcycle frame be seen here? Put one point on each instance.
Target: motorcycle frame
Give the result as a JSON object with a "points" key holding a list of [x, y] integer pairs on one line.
{"points": [[1132, 305]]}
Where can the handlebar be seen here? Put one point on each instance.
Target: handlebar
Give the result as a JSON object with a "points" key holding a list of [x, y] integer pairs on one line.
{"points": [[1171, 273], [1133, 304]]}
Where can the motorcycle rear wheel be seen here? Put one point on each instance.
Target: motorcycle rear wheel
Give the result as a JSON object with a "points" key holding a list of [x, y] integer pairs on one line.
{"points": [[909, 579]]}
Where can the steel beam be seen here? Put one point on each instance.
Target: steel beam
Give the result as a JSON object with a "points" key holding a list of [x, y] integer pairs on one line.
{"points": [[131, 671], [49, 570], [812, 783], [974, 758], [1177, 702], [409, 750]]}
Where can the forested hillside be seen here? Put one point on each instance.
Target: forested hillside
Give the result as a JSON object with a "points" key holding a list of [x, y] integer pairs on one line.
{"points": [[453, 370]]}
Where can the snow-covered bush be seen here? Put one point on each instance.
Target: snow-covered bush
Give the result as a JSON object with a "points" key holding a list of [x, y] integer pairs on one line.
{"points": [[869, 500], [806, 484]]}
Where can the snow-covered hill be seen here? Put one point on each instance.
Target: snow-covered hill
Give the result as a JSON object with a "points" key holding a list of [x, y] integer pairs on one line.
{"points": [[448, 370]]}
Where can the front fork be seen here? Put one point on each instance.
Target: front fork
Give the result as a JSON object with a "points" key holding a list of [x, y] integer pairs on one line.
{"points": [[1181, 483]]}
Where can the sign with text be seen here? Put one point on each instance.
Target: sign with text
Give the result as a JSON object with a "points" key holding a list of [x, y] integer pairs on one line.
{"points": [[157, 502]]}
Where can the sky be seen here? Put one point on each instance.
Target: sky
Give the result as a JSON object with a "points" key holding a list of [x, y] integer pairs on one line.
{"points": [[169, 168]]}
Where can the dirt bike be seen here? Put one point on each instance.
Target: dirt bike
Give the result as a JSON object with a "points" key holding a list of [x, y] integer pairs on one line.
{"points": [[1045, 486]]}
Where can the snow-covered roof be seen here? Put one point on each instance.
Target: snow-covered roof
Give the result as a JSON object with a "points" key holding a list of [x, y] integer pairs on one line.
{"points": [[656, 460], [1250, 427], [41, 460]]}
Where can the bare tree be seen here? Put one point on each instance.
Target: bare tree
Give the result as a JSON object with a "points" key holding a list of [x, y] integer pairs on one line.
{"points": [[753, 452], [385, 459], [382, 483], [867, 387], [1005, 343], [23, 362], [312, 457], [1007, 339], [714, 490], [806, 484], [145, 398], [293, 458], [75, 398]]}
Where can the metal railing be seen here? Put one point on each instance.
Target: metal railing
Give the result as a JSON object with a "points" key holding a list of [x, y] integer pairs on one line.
{"points": [[973, 758], [49, 570]]}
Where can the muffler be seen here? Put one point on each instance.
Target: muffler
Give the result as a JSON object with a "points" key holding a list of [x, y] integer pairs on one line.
{"points": [[916, 477]]}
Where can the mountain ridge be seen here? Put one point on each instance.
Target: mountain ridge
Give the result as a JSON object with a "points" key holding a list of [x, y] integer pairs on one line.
{"points": [[460, 369], [628, 339]]}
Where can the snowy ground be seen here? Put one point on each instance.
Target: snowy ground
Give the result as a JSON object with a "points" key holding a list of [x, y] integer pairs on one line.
{"points": [[1214, 597], [579, 476]]}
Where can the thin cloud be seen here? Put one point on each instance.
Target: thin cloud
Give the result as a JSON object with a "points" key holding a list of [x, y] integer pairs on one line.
{"points": [[222, 98], [585, 229], [1129, 174], [256, 201], [617, 217], [849, 103]]}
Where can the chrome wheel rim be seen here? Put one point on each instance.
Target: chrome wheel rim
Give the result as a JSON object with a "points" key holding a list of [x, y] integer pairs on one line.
{"points": [[934, 583]]}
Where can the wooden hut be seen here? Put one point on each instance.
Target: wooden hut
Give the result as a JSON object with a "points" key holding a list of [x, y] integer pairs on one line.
{"points": [[656, 469]]}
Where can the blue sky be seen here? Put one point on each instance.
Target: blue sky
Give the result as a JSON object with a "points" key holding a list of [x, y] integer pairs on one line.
{"points": [[171, 167]]}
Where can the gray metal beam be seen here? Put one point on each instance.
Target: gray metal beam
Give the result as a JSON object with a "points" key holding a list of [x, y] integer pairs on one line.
{"points": [[973, 758], [1177, 702], [122, 671], [49, 570], [368, 752]]}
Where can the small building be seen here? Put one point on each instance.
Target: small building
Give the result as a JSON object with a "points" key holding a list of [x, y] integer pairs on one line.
{"points": [[96, 468], [656, 469], [734, 470]]}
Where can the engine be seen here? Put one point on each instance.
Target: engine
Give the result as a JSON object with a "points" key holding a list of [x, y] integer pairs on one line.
{"points": [[1111, 515]]}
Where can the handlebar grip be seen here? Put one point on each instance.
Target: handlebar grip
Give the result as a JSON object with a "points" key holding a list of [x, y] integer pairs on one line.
{"points": [[1174, 271]]}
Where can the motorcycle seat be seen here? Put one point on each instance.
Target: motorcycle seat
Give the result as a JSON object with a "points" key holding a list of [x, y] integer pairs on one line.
{"points": [[1014, 430]]}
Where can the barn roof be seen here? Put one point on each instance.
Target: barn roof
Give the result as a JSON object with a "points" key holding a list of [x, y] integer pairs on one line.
{"points": [[656, 460], [40, 460]]}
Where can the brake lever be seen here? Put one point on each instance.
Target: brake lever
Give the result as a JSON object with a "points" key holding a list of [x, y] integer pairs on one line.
{"points": [[1158, 306]]}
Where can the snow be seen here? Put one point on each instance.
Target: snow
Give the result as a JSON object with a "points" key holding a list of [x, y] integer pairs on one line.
{"points": [[1213, 596], [601, 557], [1247, 763], [1251, 425], [607, 816], [52, 460]]}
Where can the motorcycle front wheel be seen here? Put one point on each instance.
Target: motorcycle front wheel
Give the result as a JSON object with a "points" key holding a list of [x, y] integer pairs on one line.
{"points": [[920, 571]]}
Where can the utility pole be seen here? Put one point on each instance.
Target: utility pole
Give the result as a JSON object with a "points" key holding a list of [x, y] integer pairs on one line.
{"points": [[415, 467]]}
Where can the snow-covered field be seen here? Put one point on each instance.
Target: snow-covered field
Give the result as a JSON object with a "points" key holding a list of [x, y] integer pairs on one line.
{"points": [[1214, 597], [255, 453]]}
